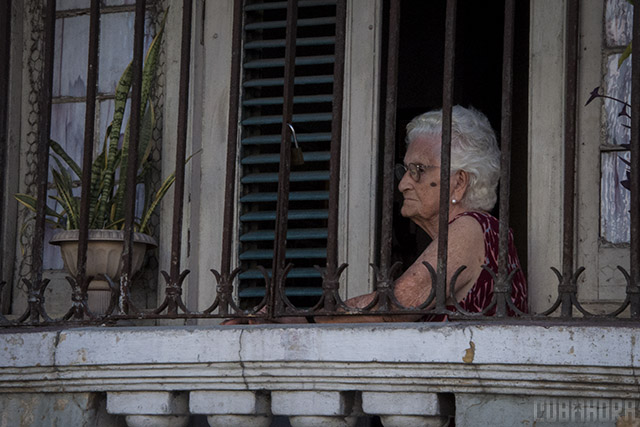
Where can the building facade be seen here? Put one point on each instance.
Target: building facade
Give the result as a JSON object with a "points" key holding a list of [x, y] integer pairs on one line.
{"points": [[183, 371]]}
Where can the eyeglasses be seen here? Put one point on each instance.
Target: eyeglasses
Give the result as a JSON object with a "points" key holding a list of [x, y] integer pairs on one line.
{"points": [[415, 170]]}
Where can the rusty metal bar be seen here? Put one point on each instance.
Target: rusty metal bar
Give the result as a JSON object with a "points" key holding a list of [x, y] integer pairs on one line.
{"points": [[81, 285], [330, 280], [44, 130], [282, 207], [571, 90], [232, 152], [5, 52], [181, 149], [634, 255], [502, 288], [445, 162], [134, 136], [389, 138]]}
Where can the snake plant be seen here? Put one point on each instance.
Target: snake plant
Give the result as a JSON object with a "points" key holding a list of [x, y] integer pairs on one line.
{"points": [[109, 168]]}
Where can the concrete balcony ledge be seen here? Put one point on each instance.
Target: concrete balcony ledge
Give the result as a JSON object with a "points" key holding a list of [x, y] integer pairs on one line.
{"points": [[343, 371], [599, 361]]}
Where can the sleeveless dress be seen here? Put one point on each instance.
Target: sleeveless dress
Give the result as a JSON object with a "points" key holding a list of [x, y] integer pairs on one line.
{"points": [[481, 293]]}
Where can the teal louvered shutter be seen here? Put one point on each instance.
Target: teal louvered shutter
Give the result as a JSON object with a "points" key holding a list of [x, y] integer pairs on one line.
{"points": [[262, 104]]}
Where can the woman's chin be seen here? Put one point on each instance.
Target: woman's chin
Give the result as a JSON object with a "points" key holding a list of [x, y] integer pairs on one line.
{"points": [[407, 212]]}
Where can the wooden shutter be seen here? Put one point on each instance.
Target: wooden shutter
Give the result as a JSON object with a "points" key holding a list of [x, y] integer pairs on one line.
{"points": [[262, 102]]}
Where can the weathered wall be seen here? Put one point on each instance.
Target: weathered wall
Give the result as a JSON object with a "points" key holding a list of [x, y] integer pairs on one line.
{"points": [[56, 410]]}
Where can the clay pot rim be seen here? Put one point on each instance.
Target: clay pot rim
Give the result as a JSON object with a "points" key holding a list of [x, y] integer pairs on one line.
{"points": [[101, 236]]}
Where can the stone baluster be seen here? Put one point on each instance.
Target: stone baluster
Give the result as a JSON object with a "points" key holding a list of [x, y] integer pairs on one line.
{"points": [[407, 409], [232, 408], [150, 408], [315, 408]]}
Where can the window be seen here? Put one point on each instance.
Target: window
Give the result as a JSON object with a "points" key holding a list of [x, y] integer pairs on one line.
{"points": [[262, 110], [603, 203], [70, 73]]}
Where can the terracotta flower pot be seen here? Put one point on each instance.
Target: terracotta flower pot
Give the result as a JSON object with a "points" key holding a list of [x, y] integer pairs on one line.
{"points": [[104, 257]]}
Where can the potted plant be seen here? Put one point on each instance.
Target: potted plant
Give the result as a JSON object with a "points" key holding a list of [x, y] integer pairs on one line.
{"points": [[106, 210]]}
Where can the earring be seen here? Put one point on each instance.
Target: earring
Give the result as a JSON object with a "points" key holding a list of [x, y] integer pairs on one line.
{"points": [[454, 201]]}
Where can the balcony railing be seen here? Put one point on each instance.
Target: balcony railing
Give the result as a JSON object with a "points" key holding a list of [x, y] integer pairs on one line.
{"points": [[276, 304]]}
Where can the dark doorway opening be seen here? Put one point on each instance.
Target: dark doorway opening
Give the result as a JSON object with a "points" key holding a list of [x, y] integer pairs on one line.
{"points": [[478, 83]]}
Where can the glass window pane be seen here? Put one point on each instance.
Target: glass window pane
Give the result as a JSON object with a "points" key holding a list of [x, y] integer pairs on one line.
{"points": [[617, 85], [118, 2], [116, 47], [615, 200], [72, 4], [57, 57], [72, 80], [619, 22], [67, 128]]}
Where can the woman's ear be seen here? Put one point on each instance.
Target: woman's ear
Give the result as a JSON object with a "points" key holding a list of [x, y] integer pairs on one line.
{"points": [[459, 184]]}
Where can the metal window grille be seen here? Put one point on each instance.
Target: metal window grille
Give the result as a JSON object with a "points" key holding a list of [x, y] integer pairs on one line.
{"points": [[275, 302]]}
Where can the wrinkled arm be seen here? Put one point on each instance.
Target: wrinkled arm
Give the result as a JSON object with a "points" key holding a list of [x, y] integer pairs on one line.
{"points": [[465, 247]]}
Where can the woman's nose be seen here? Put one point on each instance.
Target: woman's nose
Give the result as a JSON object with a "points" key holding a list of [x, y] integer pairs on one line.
{"points": [[404, 183]]}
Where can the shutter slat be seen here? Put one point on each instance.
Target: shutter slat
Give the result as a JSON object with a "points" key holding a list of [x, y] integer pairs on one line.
{"points": [[310, 99], [297, 118], [264, 178], [306, 41], [295, 196], [295, 273], [263, 159], [279, 81], [283, 4], [329, 20], [275, 139], [293, 215], [296, 253], [279, 62], [290, 292], [292, 234]]}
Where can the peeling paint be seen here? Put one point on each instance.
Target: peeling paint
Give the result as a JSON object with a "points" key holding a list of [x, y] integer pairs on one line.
{"points": [[571, 350], [469, 353], [60, 404], [15, 341]]}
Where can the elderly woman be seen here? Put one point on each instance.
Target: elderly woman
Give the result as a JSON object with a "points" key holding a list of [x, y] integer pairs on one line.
{"points": [[473, 232]]}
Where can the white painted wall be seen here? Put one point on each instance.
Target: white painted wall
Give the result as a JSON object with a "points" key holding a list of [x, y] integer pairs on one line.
{"points": [[546, 104]]}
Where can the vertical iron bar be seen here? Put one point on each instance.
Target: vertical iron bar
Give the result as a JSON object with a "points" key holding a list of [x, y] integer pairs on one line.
{"points": [[183, 116], [634, 255], [5, 52], [87, 155], [503, 288], [571, 87], [134, 136], [44, 130], [282, 209], [330, 277], [445, 162], [232, 152], [389, 138]]}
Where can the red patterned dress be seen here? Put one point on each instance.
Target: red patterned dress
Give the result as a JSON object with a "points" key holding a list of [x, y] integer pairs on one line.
{"points": [[481, 293]]}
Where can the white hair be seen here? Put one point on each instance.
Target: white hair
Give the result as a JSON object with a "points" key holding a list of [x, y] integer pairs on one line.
{"points": [[473, 149]]}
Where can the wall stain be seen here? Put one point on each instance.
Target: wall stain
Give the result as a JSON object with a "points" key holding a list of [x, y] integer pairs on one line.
{"points": [[469, 353]]}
